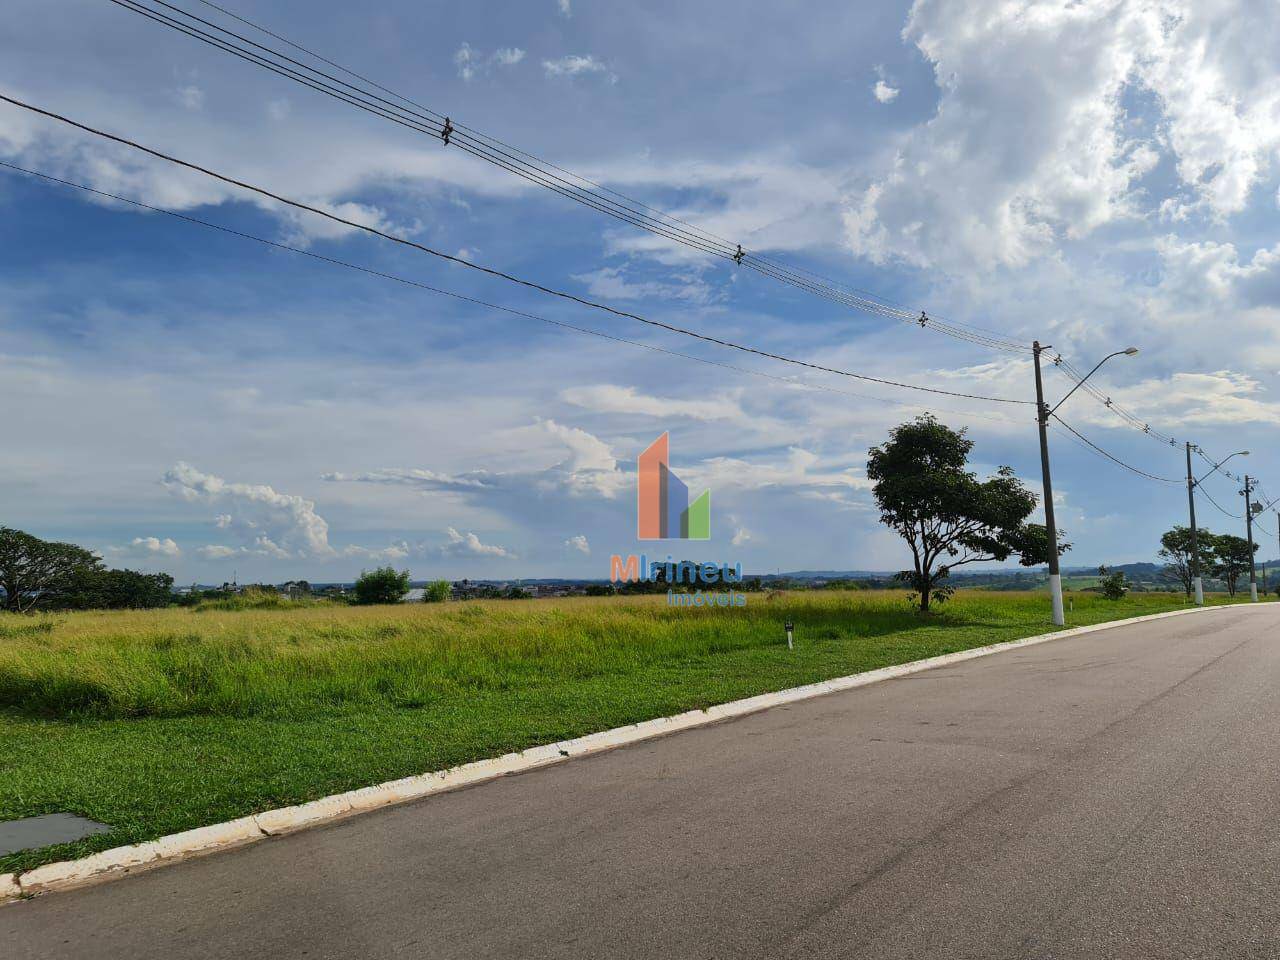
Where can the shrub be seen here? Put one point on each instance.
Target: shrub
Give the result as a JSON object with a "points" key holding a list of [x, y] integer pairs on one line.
{"points": [[383, 585], [437, 591], [1113, 585]]}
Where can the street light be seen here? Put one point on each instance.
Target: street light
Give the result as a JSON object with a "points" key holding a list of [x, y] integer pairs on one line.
{"points": [[1043, 413], [1197, 580]]}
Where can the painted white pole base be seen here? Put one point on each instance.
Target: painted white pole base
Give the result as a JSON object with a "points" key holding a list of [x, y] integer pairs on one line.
{"points": [[1055, 588], [1199, 592], [1253, 592]]}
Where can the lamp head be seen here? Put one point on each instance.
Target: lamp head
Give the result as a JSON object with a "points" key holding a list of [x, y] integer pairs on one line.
{"points": [[1130, 351]]}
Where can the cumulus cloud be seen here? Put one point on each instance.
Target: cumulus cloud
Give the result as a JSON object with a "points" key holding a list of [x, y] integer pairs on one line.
{"points": [[579, 543], [1032, 143], [469, 545], [270, 523], [150, 547], [884, 93]]}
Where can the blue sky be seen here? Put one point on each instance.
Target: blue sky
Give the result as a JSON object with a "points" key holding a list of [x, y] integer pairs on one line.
{"points": [[1094, 174]]}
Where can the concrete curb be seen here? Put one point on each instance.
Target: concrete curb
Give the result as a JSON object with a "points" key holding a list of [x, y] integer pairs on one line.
{"points": [[121, 861]]}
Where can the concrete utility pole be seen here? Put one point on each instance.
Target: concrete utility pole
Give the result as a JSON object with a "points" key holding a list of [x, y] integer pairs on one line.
{"points": [[1043, 413], [1248, 525], [1042, 420], [1195, 547]]}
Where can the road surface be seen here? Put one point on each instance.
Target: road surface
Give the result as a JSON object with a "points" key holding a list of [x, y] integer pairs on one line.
{"points": [[1111, 795]]}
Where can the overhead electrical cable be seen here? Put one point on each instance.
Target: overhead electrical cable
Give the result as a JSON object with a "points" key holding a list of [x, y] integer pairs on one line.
{"points": [[790, 381], [574, 298], [1112, 457], [411, 114]]}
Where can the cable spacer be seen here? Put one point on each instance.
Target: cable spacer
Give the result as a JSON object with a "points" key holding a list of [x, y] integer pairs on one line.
{"points": [[737, 257], [924, 319], [447, 132]]}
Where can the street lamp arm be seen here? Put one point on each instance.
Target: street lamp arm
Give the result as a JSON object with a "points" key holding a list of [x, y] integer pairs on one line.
{"points": [[1218, 465], [1130, 351]]}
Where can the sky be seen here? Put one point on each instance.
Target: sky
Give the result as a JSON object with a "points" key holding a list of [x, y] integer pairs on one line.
{"points": [[1094, 174]]}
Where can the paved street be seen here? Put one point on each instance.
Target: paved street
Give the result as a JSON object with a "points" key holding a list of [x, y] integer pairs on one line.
{"points": [[1113, 795]]}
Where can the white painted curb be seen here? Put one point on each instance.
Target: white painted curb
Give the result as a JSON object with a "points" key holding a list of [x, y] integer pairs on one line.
{"points": [[120, 861]]}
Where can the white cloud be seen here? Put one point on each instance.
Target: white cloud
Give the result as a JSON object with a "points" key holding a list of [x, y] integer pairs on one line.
{"points": [[302, 228], [272, 523], [611, 398], [579, 543], [470, 62], [586, 452], [565, 9], [575, 65], [469, 545], [150, 547], [884, 93], [1033, 143], [507, 56], [465, 59], [611, 283], [215, 551], [740, 536]]}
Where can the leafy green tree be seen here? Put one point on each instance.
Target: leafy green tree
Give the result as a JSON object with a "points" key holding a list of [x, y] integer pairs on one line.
{"points": [[1175, 550], [1232, 558], [437, 591], [1114, 585], [383, 585], [93, 588], [32, 570], [945, 513]]}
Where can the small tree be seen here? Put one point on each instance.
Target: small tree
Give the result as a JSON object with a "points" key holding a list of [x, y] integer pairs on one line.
{"points": [[383, 585], [1175, 550], [1232, 557], [1114, 585], [947, 516], [437, 591]]}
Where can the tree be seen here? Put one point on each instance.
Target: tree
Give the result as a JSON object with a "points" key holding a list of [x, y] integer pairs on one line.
{"points": [[1232, 557], [1114, 585], [32, 569], [437, 591], [383, 585], [947, 516], [98, 589], [1175, 549]]}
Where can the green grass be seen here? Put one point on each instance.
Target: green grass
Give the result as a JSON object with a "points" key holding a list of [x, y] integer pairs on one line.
{"points": [[158, 721]]}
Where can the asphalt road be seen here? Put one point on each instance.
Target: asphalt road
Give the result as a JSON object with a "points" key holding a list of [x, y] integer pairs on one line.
{"points": [[1112, 795]]}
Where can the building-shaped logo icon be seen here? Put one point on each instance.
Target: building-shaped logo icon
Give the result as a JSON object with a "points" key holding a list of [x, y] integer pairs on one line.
{"points": [[665, 512]]}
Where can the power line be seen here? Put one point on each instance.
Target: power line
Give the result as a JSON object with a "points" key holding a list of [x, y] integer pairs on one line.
{"points": [[422, 119], [791, 381], [1074, 375], [1112, 457], [1221, 509], [495, 272]]}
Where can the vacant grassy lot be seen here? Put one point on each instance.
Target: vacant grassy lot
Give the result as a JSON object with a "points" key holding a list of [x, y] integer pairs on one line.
{"points": [[163, 720]]}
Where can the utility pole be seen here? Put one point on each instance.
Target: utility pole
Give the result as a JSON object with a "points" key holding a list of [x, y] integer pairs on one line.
{"points": [[1197, 582], [1248, 524], [1042, 420]]}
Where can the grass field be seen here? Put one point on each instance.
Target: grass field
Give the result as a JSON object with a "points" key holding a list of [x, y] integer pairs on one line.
{"points": [[159, 721]]}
